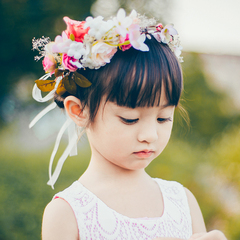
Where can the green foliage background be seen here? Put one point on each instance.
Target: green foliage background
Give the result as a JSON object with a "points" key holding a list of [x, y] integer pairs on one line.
{"points": [[204, 157]]}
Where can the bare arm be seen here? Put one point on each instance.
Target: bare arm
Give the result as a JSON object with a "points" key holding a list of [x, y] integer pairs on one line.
{"points": [[199, 229], [59, 222], [213, 235], [198, 225]]}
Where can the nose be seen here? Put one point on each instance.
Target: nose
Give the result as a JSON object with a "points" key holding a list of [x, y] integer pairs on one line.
{"points": [[148, 133]]}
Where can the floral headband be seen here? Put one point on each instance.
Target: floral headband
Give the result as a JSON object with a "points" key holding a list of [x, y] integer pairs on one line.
{"points": [[90, 44]]}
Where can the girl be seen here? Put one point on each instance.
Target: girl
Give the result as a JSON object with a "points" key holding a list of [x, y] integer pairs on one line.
{"points": [[119, 80]]}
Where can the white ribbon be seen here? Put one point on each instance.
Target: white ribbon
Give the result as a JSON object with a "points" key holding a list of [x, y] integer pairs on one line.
{"points": [[37, 94], [72, 143], [71, 149], [42, 113], [72, 133]]}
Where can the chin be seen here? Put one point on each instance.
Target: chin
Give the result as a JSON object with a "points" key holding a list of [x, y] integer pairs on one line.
{"points": [[142, 164]]}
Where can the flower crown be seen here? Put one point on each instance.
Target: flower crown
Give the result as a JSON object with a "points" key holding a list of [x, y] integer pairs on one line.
{"points": [[92, 44], [89, 44]]}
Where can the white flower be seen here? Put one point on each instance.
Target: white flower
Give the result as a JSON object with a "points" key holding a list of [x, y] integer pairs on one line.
{"points": [[175, 46], [136, 39], [101, 53], [98, 27], [122, 22], [178, 50], [87, 61], [61, 43], [48, 48], [167, 33], [76, 50], [77, 64], [139, 43], [133, 15]]}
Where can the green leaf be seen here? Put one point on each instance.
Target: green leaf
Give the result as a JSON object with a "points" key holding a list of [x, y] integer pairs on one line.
{"points": [[45, 85], [81, 81], [70, 85]]}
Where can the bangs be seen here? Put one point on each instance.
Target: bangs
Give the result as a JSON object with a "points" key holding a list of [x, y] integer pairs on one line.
{"points": [[137, 79], [134, 79]]}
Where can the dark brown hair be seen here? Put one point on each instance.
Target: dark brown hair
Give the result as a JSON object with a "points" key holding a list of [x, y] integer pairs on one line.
{"points": [[133, 79]]}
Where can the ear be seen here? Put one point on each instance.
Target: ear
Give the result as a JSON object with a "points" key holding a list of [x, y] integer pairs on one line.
{"points": [[74, 110]]}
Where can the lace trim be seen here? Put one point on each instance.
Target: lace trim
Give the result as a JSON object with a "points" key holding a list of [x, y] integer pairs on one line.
{"points": [[98, 221]]}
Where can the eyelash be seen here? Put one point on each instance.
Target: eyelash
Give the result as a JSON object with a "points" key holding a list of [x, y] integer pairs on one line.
{"points": [[163, 120], [132, 121], [128, 121]]}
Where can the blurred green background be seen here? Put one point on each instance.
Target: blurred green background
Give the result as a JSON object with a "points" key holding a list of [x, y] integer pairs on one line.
{"points": [[204, 157]]}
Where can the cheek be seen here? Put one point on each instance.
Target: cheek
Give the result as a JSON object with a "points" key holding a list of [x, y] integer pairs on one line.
{"points": [[110, 136], [165, 135], [169, 131], [118, 130], [118, 136]]}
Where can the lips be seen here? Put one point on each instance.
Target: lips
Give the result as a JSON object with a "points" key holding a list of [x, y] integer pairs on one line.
{"points": [[144, 153]]}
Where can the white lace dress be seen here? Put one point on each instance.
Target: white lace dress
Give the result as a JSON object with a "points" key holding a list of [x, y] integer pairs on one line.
{"points": [[97, 221]]}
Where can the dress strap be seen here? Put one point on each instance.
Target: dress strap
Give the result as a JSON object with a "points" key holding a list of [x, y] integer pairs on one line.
{"points": [[175, 201]]}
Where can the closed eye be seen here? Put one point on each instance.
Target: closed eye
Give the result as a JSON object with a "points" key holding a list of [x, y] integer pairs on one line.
{"points": [[163, 120], [128, 121]]}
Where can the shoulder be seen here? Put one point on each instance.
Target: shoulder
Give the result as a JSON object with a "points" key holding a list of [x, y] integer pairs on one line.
{"points": [[198, 224], [177, 189], [59, 221], [171, 187]]}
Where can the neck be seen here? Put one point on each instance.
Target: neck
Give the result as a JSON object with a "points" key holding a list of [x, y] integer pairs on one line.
{"points": [[100, 170]]}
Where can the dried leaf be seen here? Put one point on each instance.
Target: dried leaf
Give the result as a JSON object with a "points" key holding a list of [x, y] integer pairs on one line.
{"points": [[70, 85], [45, 85], [81, 81], [60, 89], [58, 72]]}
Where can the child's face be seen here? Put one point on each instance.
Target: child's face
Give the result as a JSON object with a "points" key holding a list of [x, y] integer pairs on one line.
{"points": [[130, 138]]}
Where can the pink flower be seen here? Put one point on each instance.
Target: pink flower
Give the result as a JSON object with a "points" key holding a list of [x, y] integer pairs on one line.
{"points": [[49, 64], [68, 62], [159, 27], [76, 28], [123, 40]]}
